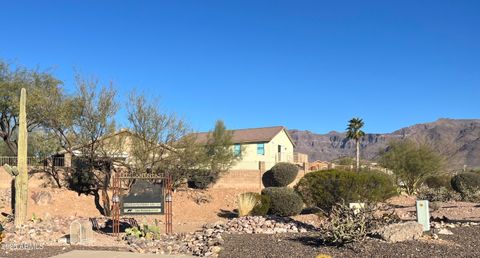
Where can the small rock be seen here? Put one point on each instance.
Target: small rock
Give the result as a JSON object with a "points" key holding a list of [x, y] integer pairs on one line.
{"points": [[401, 232], [216, 249], [444, 231]]}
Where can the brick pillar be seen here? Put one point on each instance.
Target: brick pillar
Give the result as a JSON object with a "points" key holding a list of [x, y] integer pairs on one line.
{"points": [[305, 167]]}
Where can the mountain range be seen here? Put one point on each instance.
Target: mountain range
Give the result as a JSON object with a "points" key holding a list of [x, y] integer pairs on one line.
{"points": [[458, 140]]}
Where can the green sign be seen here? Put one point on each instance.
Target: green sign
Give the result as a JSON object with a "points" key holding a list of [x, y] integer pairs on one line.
{"points": [[144, 198]]}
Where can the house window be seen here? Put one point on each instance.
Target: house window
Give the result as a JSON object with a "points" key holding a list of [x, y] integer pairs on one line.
{"points": [[261, 149], [237, 149]]}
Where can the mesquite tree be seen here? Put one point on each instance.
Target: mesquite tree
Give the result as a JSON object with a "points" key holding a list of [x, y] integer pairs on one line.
{"points": [[42, 88]]}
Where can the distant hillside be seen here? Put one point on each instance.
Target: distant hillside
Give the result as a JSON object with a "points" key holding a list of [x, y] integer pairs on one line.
{"points": [[457, 139]]}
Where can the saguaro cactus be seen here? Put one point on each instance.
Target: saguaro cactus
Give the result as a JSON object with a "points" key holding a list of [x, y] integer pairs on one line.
{"points": [[21, 180]]}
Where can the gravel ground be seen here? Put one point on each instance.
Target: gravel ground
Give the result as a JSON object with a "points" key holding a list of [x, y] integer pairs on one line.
{"points": [[464, 243], [49, 251]]}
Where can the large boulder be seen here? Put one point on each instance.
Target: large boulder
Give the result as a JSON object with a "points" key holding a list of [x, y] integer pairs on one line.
{"points": [[401, 232]]}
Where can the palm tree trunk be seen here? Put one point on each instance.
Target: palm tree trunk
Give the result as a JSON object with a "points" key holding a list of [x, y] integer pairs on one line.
{"points": [[358, 156]]}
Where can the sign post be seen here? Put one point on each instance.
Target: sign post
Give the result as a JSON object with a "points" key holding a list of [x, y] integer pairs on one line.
{"points": [[423, 214], [146, 197]]}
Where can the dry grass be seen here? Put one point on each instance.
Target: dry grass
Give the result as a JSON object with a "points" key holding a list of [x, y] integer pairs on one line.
{"points": [[246, 203]]}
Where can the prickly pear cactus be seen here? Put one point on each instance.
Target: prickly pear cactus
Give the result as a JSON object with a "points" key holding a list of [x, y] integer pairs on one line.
{"points": [[21, 180]]}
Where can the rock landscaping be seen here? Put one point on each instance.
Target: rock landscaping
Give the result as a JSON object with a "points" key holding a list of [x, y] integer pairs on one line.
{"points": [[208, 241]]}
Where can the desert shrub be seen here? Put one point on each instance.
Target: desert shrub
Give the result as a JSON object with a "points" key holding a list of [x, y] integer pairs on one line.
{"points": [[283, 201], [471, 195], [246, 203], [440, 194], [202, 179], [82, 179], [253, 204], [324, 189], [280, 175], [200, 197], [467, 184], [263, 205], [346, 225], [150, 232], [134, 232], [439, 181]]}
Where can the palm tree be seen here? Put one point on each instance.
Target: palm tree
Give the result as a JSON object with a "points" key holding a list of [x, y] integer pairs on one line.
{"points": [[354, 132]]}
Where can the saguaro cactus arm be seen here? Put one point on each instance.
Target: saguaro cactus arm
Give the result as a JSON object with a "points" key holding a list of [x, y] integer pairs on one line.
{"points": [[13, 171]]}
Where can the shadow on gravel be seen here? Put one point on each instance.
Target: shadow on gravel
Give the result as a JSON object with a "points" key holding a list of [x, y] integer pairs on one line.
{"points": [[313, 240], [297, 223], [124, 224], [398, 206], [227, 214]]}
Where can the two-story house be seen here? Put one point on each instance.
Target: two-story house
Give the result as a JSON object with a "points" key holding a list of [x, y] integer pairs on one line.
{"points": [[269, 145]]}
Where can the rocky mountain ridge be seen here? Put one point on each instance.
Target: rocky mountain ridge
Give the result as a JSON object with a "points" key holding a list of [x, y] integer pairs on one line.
{"points": [[457, 139]]}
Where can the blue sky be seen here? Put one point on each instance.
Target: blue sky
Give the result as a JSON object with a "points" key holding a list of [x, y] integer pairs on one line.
{"points": [[303, 64]]}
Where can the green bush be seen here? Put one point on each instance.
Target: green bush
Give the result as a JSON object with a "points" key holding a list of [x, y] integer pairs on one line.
{"points": [[466, 182], [283, 201], [202, 179], [280, 175], [323, 189], [263, 205], [82, 179], [439, 181], [440, 194], [468, 185], [150, 232]]}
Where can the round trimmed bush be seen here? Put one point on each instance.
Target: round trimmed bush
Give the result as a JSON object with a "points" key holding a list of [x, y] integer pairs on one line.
{"points": [[283, 201], [440, 181], [323, 189], [280, 175], [466, 183], [263, 205]]}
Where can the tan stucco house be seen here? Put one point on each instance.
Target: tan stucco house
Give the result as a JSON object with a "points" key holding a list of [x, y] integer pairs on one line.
{"points": [[117, 145], [268, 145]]}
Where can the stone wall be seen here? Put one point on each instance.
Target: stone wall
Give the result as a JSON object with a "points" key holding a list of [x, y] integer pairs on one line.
{"points": [[239, 179]]}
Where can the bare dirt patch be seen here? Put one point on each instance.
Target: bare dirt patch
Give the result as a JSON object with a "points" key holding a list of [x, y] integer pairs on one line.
{"points": [[451, 211], [191, 208]]}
